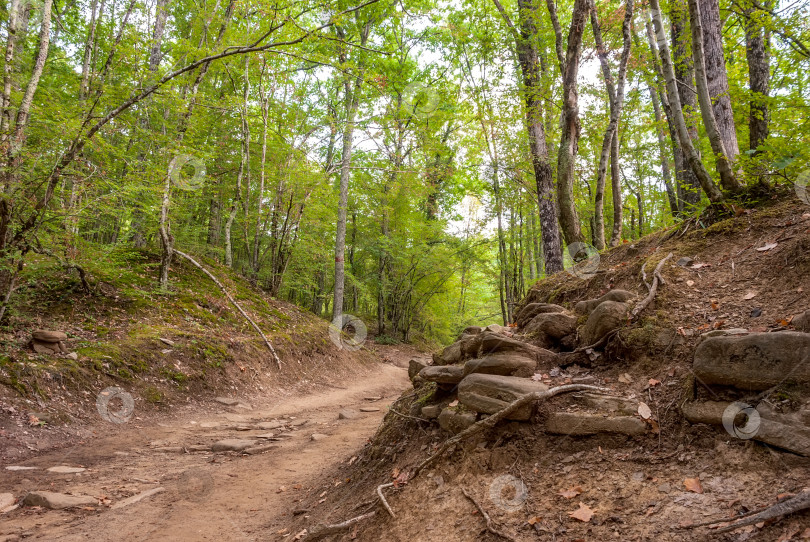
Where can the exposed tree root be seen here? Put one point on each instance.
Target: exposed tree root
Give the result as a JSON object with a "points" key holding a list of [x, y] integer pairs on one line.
{"points": [[233, 301], [657, 279], [321, 531], [490, 527], [382, 497], [797, 503]]}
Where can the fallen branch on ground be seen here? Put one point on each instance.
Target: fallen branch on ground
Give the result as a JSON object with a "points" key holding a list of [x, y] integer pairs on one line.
{"points": [[797, 503], [657, 279], [321, 531], [486, 517], [382, 497], [233, 301]]}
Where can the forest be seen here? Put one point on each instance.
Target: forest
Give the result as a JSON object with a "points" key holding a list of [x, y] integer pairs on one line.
{"points": [[417, 163]]}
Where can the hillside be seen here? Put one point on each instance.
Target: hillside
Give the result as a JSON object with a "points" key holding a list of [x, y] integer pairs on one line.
{"points": [[644, 462]]}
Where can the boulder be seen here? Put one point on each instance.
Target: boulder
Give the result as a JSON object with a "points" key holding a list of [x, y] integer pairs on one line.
{"points": [[789, 431], [455, 422], [57, 501], [587, 307], [754, 362], [470, 345], [490, 393], [525, 315], [414, 366], [48, 336], [472, 330], [609, 315], [585, 423], [450, 355], [608, 403], [443, 374], [502, 363], [45, 348], [431, 412], [495, 328], [493, 342], [550, 327], [802, 321]]}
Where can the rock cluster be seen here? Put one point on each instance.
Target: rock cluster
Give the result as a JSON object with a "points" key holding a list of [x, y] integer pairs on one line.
{"points": [[48, 342]]}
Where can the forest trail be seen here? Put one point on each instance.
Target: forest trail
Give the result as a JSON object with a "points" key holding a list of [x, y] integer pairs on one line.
{"points": [[205, 496]]}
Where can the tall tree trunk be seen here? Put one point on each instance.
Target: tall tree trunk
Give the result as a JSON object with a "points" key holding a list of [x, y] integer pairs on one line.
{"points": [[526, 39], [716, 76], [569, 140], [244, 166], [757, 52], [724, 165], [685, 74], [692, 156], [616, 99], [662, 152], [616, 185]]}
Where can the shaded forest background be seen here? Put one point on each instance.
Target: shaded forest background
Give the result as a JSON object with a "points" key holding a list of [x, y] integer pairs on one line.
{"points": [[413, 162]]}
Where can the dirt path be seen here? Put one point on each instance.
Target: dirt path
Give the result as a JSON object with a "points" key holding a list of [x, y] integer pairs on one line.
{"points": [[206, 496]]}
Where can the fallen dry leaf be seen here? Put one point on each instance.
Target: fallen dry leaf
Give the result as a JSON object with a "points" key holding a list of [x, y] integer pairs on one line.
{"points": [[693, 485], [571, 492], [644, 411], [767, 247], [535, 519], [454, 403], [690, 283], [653, 382], [625, 378], [654, 427], [750, 295], [715, 305], [583, 513]]}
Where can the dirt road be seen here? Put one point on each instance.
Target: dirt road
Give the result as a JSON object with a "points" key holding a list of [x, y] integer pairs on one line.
{"points": [[204, 495]]}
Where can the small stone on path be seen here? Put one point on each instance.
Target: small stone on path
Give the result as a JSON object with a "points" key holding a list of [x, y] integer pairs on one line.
{"points": [[18, 467], [369, 409], [62, 469], [232, 445], [138, 497], [58, 501], [347, 414], [318, 436]]}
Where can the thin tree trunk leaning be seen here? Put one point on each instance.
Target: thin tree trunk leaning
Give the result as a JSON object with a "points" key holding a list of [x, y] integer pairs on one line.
{"points": [[706, 182], [757, 53], [526, 46], [616, 186], [724, 162], [662, 151], [717, 78], [234, 303], [166, 238], [569, 140], [616, 97]]}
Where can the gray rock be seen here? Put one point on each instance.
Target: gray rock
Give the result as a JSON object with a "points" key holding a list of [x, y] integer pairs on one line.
{"points": [[57, 501], [369, 409], [455, 422], [525, 315], [414, 366], [609, 315], [63, 469], [788, 431], [45, 348], [608, 403], [167, 342], [584, 423], [502, 363], [227, 401], [19, 468], [232, 445], [495, 328], [472, 330], [754, 362], [443, 374], [802, 321], [73, 355], [587, 307], [450, 355], [550, 327], [665, 488], [348, 414], [48, 336], [494, 342], [318, 436], [431, 412], [685, 261], [490, 393], [267, 426]]}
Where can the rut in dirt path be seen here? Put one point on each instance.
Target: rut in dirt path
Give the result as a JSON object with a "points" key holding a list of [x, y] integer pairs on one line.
{"points": [[234, 476]]}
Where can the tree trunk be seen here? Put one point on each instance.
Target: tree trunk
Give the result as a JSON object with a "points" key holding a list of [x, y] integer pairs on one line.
{"points": [[662, 151], [244, 166], [616, 98], [716, 138], [616, 185], [692, 156], [757, 52], [569, 140], [716, 76]]}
